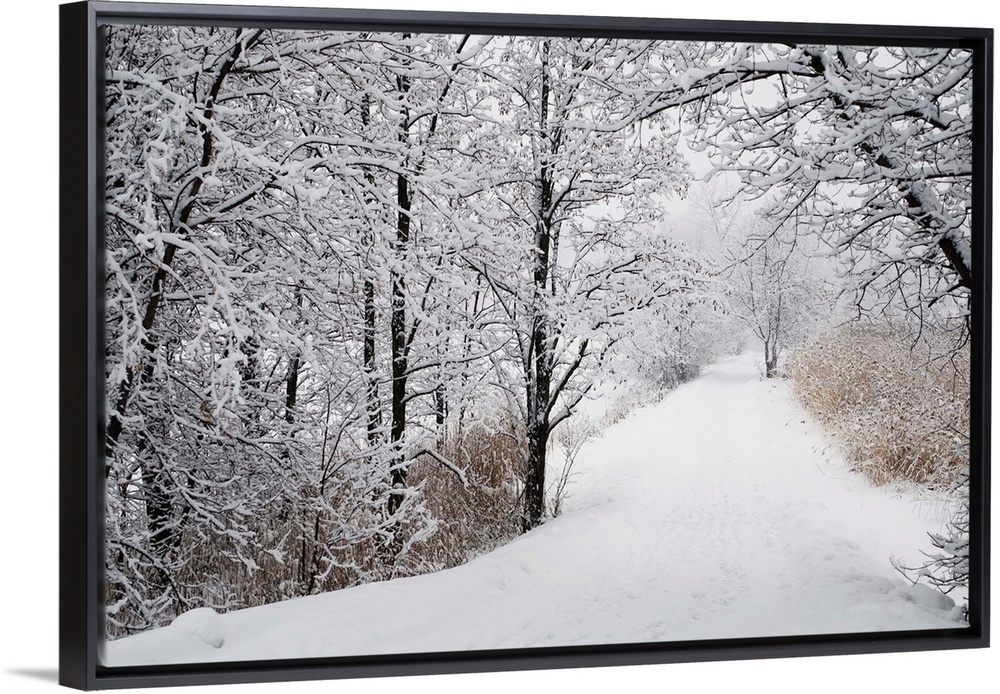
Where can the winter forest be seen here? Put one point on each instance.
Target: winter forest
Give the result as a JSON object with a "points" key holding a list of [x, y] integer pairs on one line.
{"points": [[382, 305]]}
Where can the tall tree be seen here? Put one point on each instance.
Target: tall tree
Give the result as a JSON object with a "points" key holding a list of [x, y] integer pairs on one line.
{"points": [[575, 193]]}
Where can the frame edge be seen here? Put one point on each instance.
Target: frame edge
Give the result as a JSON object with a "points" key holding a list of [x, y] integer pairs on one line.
{"points": [[78, 527]]}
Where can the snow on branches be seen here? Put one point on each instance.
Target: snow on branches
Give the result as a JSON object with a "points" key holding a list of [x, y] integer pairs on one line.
{"points": [[331, 256]]}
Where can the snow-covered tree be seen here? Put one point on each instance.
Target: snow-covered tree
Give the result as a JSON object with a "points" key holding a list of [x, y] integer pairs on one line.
{"points": [[577, 158], [330, 251], [772, 288], [870, 147], [240, 294]]}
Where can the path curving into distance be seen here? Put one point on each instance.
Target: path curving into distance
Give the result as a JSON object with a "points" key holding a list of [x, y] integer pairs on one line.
{"points": [[719, 512]]}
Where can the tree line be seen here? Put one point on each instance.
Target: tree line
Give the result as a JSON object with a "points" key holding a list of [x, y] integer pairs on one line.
{"points": [[329, 253]]}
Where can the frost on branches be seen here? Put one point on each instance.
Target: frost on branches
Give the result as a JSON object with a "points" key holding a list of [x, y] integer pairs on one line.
{"points": [[947, 568], [332, 257], [871, 147], [355, 281]]}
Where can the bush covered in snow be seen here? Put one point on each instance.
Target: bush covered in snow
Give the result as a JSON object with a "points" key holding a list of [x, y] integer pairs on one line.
{"points": [[482, 514], [947, 566], [897, 409]]}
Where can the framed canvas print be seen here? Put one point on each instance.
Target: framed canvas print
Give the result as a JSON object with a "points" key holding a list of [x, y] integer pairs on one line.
{"points": [[425, 342]]}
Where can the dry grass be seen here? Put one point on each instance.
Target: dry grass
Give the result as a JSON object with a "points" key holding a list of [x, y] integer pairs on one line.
{"points": [[309, 544], [898, 412], [477, 518]]}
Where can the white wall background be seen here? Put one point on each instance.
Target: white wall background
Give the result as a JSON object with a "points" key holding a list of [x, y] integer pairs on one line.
{"points": [[29, 381]]}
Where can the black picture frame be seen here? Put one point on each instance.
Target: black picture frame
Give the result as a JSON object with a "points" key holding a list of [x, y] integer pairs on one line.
{"points": [[81, 348]]}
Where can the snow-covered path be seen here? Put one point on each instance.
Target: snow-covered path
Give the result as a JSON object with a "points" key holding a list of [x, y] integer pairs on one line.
{"points": [[715, 513]]}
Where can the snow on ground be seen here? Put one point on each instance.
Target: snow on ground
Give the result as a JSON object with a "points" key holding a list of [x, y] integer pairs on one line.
{"points": [[719, 512]]}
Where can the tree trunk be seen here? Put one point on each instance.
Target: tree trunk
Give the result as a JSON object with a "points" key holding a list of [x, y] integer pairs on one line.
{"points": [[398, 341], [291, 389], [440, 406], [540, 359], [398, 352], [372, 405], [164, 533], [770, 360], [292, 375], [537, 430]]}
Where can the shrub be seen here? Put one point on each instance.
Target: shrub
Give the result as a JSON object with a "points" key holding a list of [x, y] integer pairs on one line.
{"points": [[947, 568], [898, 412], [472, 519], [569, 439]]}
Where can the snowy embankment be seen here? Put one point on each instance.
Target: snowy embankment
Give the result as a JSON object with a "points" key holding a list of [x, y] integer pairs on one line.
{"points": [[716, 513]]}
